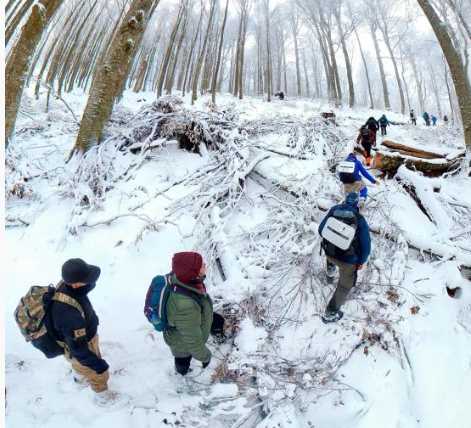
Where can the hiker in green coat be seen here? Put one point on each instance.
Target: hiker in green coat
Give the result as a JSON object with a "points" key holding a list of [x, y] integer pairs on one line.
{"points": [[189, 312]]}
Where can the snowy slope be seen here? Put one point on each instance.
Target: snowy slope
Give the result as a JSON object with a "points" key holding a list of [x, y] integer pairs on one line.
{"points": [[385, 364]]}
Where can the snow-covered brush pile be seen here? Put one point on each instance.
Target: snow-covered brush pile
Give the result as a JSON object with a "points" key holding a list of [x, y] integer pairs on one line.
{"points": [[304, 139], [168, 119]]}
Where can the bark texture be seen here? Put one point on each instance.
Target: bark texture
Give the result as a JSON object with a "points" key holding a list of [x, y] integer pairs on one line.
{"points": [[16, 71], [457, 69], [112, 72]]}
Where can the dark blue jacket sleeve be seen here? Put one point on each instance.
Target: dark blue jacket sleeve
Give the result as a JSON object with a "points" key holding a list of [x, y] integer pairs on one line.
{"points": [[364, 241], [71, 324], [364, 172]]}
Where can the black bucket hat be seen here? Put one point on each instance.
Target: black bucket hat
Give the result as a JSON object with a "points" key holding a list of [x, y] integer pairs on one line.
{"points": [[76, 270]]}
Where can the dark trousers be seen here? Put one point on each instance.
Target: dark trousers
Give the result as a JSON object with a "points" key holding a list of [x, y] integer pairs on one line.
{"points": [[347, 280], [383, 130], [367, 146], [182, 365]]}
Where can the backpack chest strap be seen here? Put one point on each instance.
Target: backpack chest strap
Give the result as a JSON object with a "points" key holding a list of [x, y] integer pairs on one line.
{"points": [[64, 298]]}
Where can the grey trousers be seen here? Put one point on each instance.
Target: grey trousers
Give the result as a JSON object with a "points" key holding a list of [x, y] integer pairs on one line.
{"points": [[347, 280]]}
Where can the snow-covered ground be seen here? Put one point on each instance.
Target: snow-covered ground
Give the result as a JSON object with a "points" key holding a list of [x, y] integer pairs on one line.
{"points": [[400, 358]]}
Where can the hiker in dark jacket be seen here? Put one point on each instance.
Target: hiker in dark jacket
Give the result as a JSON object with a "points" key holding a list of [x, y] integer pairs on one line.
{"points": [[74, 323], [383, 123], [348, 261], [426, 118], [189, 312], [373, 126], [413, 117], [434, 120], [280, 95], [365, 140]]}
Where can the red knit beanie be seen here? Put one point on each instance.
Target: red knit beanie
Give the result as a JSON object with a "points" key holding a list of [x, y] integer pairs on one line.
{"points": [[186, 266]]}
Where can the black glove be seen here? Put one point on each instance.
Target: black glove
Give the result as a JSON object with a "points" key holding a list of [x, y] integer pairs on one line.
{"points": [[206, 364]]}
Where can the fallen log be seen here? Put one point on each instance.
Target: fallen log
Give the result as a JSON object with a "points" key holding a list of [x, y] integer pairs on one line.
{"points": [[411, 151], [390, 161]]}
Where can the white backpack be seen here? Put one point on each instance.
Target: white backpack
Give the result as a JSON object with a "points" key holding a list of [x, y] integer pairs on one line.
{"points": [[339, 233], [346, 171]]}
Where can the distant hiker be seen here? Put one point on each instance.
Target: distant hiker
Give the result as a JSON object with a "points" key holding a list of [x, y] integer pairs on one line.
{"points": [[346, 243], [350, 172], [189, 311], [445, 119], [69, 324], [413, 117], [383, 122], [280, 95], [365, 140], [434, 120], [373, 126], [426, 118]]}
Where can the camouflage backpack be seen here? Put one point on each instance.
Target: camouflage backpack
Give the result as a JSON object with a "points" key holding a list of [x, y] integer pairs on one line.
{"points": [[30, 315]]}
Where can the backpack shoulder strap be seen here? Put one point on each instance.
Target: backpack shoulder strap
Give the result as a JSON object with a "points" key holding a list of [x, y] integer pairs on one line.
{"points": [[64, 298]]}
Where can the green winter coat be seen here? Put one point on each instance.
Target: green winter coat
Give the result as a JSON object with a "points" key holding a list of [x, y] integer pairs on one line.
{"points": [[190, 318]]}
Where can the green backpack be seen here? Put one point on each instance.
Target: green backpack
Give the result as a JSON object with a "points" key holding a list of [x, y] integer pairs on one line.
{"points": [[30, 315]]}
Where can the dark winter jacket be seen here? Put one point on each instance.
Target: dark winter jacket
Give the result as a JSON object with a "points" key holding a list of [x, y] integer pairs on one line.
{"points": [[67, 325], [372, 124], [362, 237], [383, 121], [190, 315], [359, 169]]}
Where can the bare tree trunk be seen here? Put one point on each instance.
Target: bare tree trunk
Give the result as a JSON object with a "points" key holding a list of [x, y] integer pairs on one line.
{"points": [[170, 79], [168, 52], [16, 71], [387, 103], [268, 71], [10, 30], [306, 77], [237, 56], [218, 61], [348, 65], [285, 68], [404, 82], [387, 41], [112, 72], [72, 49], [242, 55], [436, 91], [419, 85], [450, 95], [294, 29], [199, 62], [365, 66], [457, 70], [190, 55]]}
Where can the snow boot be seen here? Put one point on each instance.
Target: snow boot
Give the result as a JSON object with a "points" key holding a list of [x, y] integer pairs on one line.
{"points": [[332, 316]]}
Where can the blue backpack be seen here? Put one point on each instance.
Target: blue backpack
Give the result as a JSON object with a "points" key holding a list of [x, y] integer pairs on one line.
{"points": [[155, 308]]}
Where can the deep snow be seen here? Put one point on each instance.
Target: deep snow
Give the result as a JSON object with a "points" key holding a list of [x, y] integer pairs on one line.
{"points": [[424, 382]]}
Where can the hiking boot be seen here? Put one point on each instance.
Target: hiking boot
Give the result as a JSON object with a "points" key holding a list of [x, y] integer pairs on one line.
{"points": [[332, 316]]}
